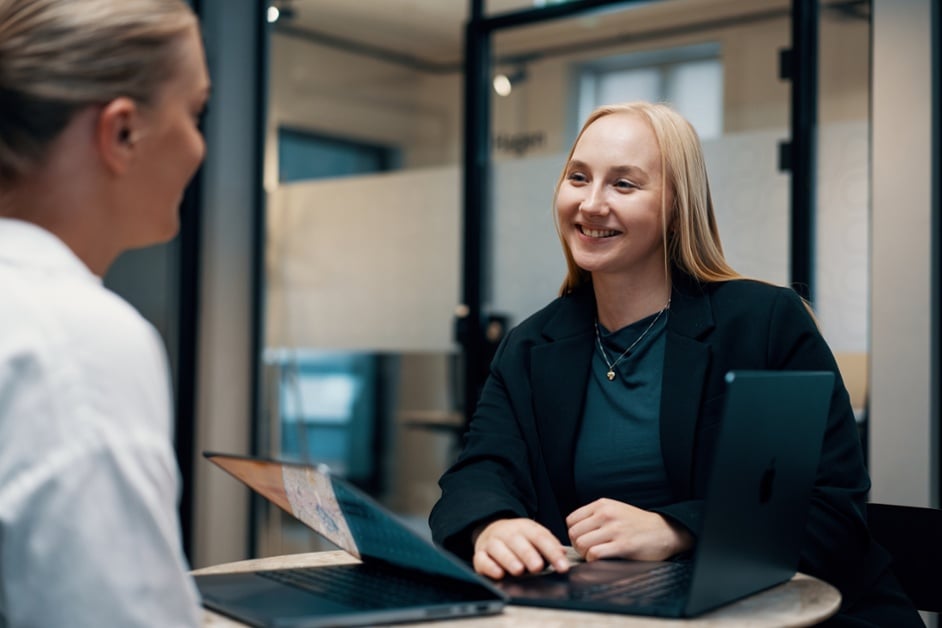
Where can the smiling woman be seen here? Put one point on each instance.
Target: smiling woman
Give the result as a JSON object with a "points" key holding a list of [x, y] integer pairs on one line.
{"points": [[99, 106], [572, 446]]}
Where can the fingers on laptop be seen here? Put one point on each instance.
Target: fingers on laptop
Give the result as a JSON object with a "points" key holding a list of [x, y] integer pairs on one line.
{"points": [[517, 546]]}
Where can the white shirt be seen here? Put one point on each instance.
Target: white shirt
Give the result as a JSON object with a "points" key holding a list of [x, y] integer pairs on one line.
{"points": [[89, 483]]}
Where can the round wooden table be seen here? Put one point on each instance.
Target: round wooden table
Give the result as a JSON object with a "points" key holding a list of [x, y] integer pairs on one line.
{"points": [[802, 601]]}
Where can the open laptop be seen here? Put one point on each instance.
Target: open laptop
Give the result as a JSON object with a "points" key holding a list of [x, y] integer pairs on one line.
{"points": [[757, 502], [401, 577], [754, 517]]}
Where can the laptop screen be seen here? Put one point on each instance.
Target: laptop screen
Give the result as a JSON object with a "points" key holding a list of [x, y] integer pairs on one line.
{"points": [[342, 514]]}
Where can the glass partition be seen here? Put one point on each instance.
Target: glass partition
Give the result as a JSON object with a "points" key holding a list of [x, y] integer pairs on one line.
{"points": [[364, 209], [362, 250]]}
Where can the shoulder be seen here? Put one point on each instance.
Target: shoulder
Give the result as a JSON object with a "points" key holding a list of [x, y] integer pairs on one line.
{"points": [[79, 351], [759, 312], [78, 318], [565, 315], [749, 288], [737, 306], [752, 296], [64, 300]]}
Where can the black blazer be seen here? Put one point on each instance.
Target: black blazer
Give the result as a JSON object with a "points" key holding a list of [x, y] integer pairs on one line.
{"points": [[517, 457]]}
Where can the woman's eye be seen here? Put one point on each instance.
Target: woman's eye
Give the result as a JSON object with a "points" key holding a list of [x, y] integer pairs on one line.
{"points": [[624, 184], [577, 177]]}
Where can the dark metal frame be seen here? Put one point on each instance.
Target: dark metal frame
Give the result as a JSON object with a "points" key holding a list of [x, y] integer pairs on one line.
{"points": [[257, 314], [803, 61], [936, 246], [188, 282], [803, 152]]}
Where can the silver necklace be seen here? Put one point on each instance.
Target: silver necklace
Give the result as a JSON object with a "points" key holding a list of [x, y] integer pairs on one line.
{"points": [[611, 365]]}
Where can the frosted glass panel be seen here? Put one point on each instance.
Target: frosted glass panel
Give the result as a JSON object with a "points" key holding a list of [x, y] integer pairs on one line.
{"points": [[750, 198], [842, 295], [374, 262], [528, 265], [365, 263]]}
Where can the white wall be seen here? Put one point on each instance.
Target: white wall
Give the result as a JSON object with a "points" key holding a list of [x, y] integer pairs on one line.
{"points": [[373, 263]]}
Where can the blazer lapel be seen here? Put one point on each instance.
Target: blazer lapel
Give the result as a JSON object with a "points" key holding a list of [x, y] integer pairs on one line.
{"points": [[686, 359], [560, 371]]}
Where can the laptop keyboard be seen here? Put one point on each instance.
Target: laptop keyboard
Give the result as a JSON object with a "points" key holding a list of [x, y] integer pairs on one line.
{"points": [[374, 587], [665, 585]]}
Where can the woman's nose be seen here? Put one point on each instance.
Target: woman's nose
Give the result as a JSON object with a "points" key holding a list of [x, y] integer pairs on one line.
{"points": [[594, 201]]}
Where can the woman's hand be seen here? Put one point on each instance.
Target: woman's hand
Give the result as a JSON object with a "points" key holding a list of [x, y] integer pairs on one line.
{"points": [[515, 546], [611, 529]]}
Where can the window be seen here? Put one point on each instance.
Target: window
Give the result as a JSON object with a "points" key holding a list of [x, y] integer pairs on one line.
{"points": [[689, 78], [329, 412], [304, 155]]}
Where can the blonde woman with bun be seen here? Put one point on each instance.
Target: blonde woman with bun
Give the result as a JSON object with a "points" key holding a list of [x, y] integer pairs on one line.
{"points": [[99, 109]]}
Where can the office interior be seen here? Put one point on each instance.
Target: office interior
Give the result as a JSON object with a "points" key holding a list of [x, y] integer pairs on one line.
{"points": [[375, 210]]}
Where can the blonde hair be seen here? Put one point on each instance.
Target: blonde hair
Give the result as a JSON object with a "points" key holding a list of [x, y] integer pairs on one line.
{"points": [[60, 56], [690, 235]]}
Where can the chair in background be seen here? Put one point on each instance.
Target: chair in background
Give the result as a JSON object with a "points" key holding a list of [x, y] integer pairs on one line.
{"points": [[913, 536]]}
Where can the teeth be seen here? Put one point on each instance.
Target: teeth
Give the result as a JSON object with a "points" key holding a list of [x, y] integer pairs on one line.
{"points": [[598, 233]]}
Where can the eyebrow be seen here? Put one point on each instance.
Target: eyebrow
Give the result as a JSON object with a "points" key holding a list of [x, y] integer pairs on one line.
{"points": [[617, 170]]}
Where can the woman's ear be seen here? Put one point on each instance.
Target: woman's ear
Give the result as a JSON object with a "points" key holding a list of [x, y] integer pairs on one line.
{"points": [[115, 133]]}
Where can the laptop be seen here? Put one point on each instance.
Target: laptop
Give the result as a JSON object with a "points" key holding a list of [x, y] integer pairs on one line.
{"points": [[401, 577], [755, 510]]}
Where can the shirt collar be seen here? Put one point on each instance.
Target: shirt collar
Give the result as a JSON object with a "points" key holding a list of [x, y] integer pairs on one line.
{"points": [[28, 245]]}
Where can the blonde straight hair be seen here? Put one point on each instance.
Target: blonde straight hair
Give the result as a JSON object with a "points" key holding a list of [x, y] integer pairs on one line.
{"points": [[690, 235]]}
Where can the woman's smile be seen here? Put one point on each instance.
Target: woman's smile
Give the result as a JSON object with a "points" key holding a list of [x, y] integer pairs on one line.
{"points": [[597, 233]]}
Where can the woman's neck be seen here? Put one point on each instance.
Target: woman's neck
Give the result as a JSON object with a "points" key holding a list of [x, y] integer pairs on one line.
{"points": [[622, 300], [66, 213]]}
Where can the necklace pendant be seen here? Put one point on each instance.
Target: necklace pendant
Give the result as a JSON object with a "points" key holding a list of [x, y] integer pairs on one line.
{"points": [[610, 375]]}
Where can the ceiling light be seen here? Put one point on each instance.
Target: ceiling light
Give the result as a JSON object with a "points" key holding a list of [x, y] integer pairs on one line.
{"points": [[280, 11], [502, 85]]}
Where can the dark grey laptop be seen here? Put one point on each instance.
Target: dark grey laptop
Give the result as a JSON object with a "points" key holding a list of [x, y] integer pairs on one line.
{"points": [[754, 517], [401, 576]]}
